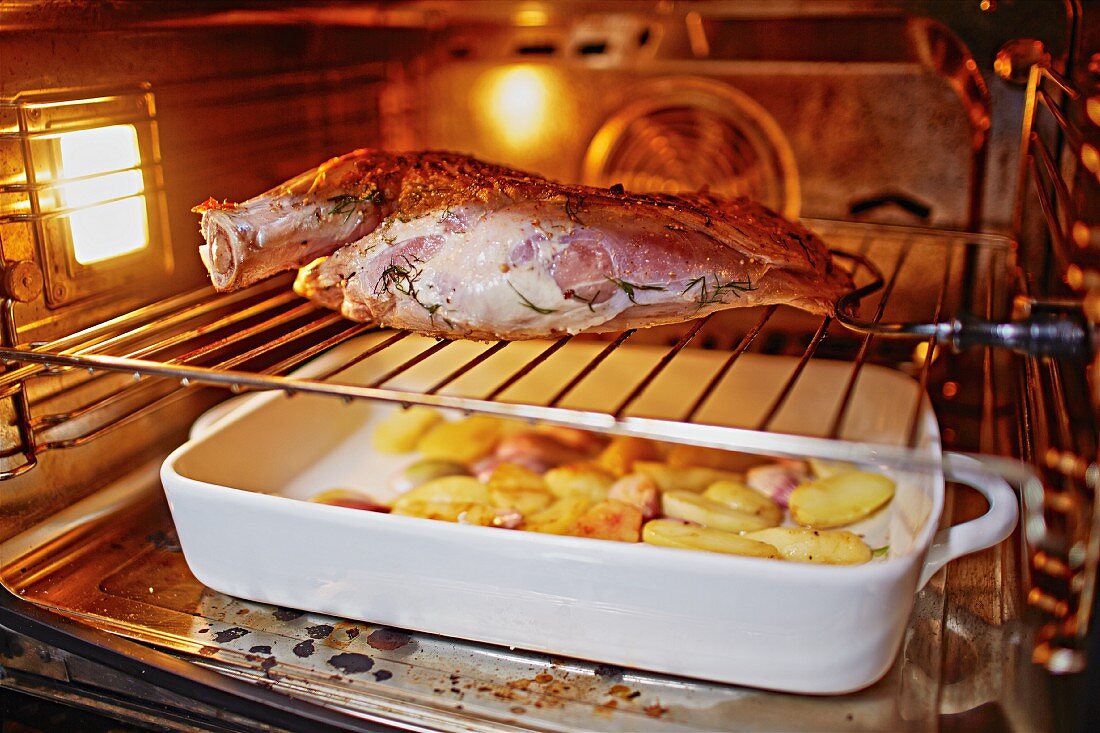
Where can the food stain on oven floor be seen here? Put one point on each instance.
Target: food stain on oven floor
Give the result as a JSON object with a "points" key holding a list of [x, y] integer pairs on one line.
{"points": [[232, 634], [320, 631], [352, 663], [541, 686], [267, 664], [388, 640]]}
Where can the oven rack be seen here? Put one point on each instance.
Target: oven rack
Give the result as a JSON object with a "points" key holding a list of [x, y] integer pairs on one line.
{"points": [[1059, 433], [254, 339]]}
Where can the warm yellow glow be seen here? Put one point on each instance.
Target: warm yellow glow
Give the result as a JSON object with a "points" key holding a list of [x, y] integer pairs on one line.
{"points": [[920, 354], [110, 217], [109, 230], [1090, 157], [99, 150], [102, 188], [531, 17], [517, 104]]}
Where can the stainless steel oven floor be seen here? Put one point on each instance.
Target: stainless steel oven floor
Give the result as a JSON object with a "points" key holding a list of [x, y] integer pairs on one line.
{"points": [[964, 658]]}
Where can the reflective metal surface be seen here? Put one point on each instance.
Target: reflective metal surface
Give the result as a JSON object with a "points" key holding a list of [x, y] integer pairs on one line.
{"points": [[966, 646]]}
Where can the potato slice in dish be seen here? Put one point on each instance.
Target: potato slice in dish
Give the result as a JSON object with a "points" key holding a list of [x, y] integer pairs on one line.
{"points": [[709, 513], [829, 547], [840, 499], [736, 495], [671, 533]]}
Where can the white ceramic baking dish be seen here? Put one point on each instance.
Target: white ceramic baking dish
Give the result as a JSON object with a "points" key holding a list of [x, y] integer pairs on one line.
{"points": [[236, 491]]}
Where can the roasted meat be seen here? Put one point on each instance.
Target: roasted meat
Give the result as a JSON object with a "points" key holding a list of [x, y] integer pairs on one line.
{"points": [[445, 244]]}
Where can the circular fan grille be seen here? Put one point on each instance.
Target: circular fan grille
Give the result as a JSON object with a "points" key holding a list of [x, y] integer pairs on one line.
{"points": [[690, 134]]}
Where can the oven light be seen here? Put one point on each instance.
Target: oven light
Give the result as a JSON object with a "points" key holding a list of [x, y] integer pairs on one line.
{"points": [[103, 186], [517, 104]]}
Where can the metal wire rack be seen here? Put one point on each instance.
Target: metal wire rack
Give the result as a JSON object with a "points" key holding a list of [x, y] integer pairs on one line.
{"points": [[1059, 431], [252, 340]]}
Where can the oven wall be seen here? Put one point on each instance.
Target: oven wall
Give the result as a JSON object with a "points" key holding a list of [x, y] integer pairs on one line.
{"points": [[239, 107]]}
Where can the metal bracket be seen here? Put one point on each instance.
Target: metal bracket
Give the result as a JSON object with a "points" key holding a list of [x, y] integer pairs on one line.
{"points": [[1046, 328]]}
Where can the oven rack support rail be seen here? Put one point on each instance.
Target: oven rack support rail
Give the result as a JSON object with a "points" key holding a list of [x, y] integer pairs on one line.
{"points": [[1060, 441]]}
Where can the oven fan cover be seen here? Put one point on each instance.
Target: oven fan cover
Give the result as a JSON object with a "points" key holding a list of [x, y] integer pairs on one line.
{"points": [[687, 134]]}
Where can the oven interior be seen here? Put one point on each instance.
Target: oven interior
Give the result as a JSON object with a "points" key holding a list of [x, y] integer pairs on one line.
{"points": [[893, 129]]}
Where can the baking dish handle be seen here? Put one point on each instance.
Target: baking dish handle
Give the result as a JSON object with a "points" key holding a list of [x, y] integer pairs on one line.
{"points": [[977, 534]]}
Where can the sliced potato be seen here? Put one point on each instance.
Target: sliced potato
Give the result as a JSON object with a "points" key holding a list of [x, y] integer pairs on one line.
{"points": [[514, 477], [349, 498], [677, 478], [684, 456], [403, 429], [447, 511], [446, 490], [709, 513], [559, 517], [580, 479], [463, 441], [824, 469], [736, 495], [670, 533], [619, 456], [512, 486], [423, 471], [610, 520], [840, 499], [524, 502], [482, 515], [830, 547], [445, 498]]}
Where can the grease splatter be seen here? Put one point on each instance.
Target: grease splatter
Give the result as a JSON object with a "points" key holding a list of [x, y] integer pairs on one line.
{"points": [[622, 691], [387, 639], [352, 663], [655, 710], [230, 634]]}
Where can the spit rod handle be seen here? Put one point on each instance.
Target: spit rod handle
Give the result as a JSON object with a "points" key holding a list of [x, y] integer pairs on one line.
{"points": [[1041, 334]]}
